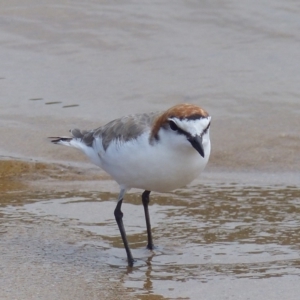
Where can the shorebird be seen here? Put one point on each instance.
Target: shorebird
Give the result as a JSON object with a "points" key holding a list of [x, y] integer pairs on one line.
{"points": [[158, 151]]}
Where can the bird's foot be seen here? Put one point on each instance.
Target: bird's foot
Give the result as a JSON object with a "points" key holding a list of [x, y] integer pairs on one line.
{"points": [[150, 247]]}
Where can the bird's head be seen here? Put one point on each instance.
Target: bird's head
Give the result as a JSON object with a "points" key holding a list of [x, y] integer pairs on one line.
{"points": [[186, 125]]}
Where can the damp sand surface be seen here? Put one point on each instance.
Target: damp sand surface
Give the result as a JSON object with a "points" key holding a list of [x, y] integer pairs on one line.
{"points": [[231, 234], [221, 240]]}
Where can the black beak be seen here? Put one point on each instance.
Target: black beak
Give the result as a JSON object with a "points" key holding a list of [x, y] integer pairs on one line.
{"points": [[196, 142]]}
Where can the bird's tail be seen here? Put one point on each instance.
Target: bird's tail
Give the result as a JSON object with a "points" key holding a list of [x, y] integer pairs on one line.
{"points": [[76, 140], [61, 140]]}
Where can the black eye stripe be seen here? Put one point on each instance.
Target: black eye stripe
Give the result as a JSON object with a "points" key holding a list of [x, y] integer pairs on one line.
{"points": [[207, 127], [174, 127]]}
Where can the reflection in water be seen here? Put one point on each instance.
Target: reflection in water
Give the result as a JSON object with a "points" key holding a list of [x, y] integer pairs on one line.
{"points": [[204, 233]]}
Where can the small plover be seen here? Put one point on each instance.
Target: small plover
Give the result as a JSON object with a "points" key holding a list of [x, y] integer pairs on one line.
{"points": [[157, 152]]}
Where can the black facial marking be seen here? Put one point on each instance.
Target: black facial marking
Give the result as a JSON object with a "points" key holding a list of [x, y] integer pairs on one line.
{"points": [[173, 125], [207, 127]]}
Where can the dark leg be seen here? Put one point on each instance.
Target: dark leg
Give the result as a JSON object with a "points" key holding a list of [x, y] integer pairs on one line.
{"points": [[146, 200], [119, 219]]}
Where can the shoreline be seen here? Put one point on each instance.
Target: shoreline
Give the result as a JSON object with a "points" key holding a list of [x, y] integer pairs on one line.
{"points": [[80, 175]]}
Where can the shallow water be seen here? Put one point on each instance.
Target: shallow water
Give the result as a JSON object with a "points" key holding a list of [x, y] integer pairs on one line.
{"points": [[203, 235]]}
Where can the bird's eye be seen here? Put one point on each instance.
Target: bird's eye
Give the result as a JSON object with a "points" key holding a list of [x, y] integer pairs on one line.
{"points": [[173, 126]]}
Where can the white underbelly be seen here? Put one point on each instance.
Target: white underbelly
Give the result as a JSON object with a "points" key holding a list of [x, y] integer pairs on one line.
{"points": [[153, 170]]}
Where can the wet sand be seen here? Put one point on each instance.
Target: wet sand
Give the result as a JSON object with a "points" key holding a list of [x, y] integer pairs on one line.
{"points": [[233, 233], [60, 241]]}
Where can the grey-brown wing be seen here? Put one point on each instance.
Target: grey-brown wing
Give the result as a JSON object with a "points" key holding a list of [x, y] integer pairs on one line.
{"points": [[123, 129]]}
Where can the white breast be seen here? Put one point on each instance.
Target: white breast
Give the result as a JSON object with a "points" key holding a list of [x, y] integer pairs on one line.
{"points": [[164, 165]]}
